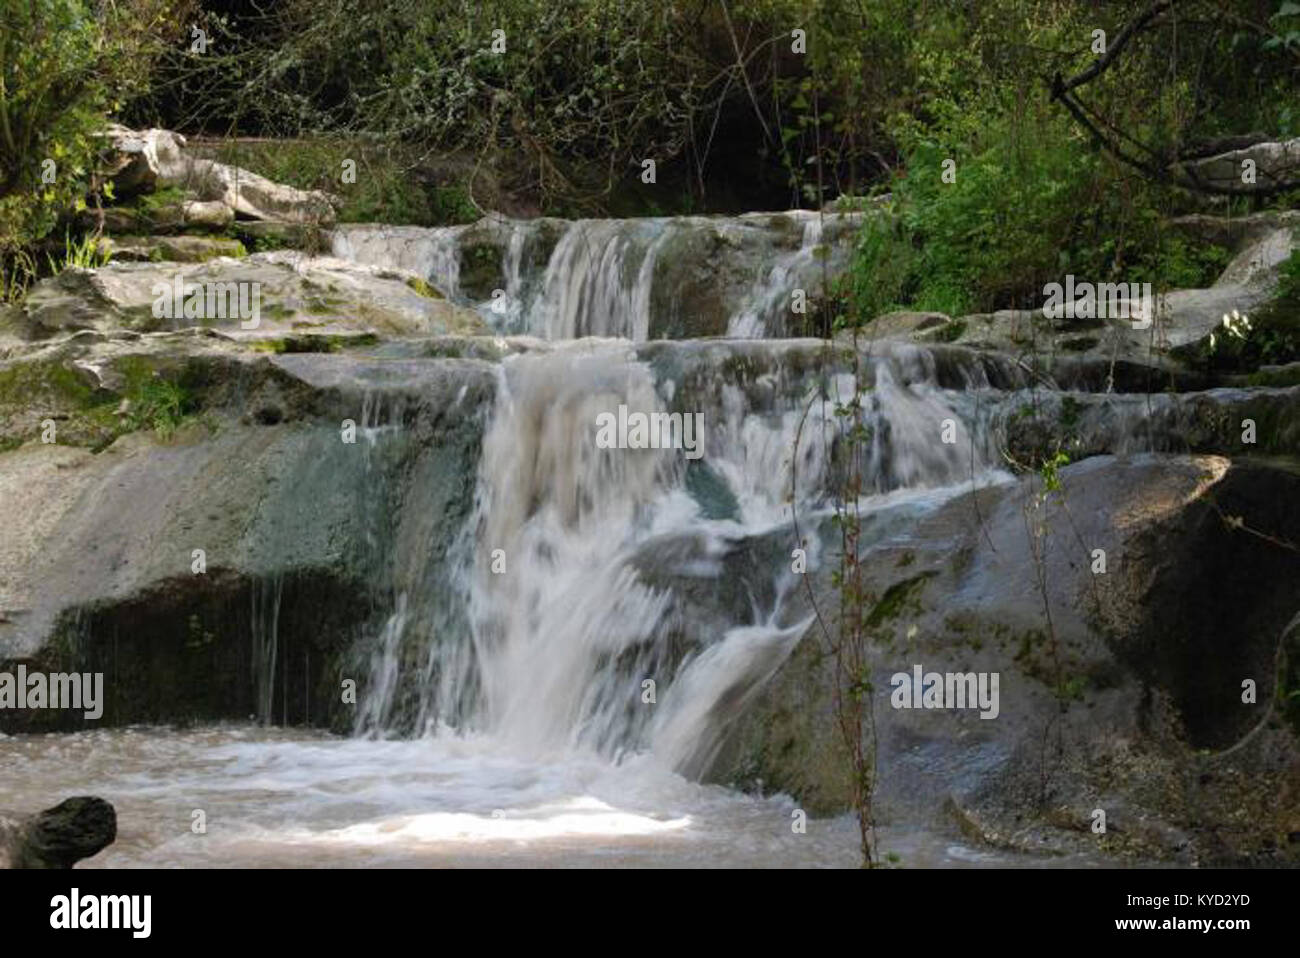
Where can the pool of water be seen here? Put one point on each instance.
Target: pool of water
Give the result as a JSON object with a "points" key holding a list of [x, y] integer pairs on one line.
{"points": [[291, 798]]}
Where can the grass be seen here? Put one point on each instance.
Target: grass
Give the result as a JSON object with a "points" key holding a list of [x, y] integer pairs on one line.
{"points": [[84, 252], [385, 186], [89, 417]]}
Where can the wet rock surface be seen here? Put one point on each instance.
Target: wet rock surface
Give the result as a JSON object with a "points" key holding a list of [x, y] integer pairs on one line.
{"points": [[58, 837], [1129, 701]]}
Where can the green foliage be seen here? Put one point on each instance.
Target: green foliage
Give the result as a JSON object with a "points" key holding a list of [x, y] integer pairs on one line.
{"points": [[1050, 471], [64, 66], [1029, 197], [569, 97], [387, 188], [1175, 263], [155, 400], [51, 103], [993, 235], [1273, 335], [160, 405], [86, 252], [1288, 289]]}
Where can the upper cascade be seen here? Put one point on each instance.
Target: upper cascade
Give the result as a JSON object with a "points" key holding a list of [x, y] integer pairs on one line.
{"points": [[751, 276]]}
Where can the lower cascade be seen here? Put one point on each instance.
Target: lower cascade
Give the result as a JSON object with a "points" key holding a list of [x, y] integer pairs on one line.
{"points": [[574, 637]]}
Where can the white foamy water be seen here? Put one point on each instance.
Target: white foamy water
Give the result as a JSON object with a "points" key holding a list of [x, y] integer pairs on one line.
{"points": [[292, 799], [563, 564]]}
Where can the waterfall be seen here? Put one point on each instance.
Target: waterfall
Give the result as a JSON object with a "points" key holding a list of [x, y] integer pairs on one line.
{"points": [[636, 279], [598, 281], [576, 635], [265, 631]]}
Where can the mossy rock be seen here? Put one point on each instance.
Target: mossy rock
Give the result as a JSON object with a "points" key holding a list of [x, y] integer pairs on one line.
{"points": [[481, 269], [687, 298], [424, 288]]}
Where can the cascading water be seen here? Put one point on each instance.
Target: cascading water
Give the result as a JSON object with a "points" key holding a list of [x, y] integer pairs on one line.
{"points": [[565, 621], [264, 624], [623, 278]]}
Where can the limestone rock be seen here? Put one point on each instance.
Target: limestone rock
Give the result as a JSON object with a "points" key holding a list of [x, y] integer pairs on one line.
{"points": [[293, 293], [147, 160], [176, 249], [1273, 161], [1130, 700]]}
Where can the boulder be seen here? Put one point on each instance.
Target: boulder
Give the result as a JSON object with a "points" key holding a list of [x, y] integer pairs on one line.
{"points": [[162, 217], [175, 249], [58, 837], [1274, 162], [293, 509], [1113, 352], [1128, 698]]}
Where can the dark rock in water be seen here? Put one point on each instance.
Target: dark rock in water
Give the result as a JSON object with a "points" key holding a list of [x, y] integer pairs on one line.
{"points": [[58, 837]]}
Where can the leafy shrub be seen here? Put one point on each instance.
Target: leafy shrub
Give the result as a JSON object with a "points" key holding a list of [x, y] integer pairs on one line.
{"points": [[51, 104], [64, 64], [1273, 336]]}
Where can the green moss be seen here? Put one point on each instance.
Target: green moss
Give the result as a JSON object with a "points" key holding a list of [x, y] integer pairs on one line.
{"points": [[317, 306], [313, 343], [1276, 376], [950, 332], [161, 199], [423, 288], [897, 598], [88, 416], [156, 401], [24, 383]]}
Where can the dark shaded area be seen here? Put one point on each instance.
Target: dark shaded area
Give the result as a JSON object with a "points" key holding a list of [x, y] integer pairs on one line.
{"points": [[209, 648], [1219, 600]]}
